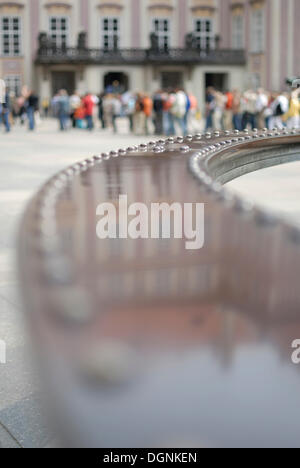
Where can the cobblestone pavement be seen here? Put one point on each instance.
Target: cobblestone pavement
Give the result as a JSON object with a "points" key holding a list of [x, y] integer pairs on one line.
{"points": [[26, 161]]}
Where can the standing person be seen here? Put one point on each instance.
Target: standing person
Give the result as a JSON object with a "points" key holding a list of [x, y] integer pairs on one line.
{"points": [[2, 91], [75, 102], [192, 123], [117, 110], [236, 110], [158, 107], [219, 110], [168, 116], [139, 118], [128, 100], [22, 109], [179, 110], [89, 105], [63, 109], [249, 116], [108, 110], [228, 113], [101, 111], [148, 108], [279, 107], [79, 116], [6, 107], [209, 108], [261, 106], [2, 98], [32, 105], [45, 107], [293, 114], [54, 105], [187, 113]]}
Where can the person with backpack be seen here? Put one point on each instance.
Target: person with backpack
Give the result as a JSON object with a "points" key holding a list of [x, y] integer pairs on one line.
{"points": [[32, 106], [279, 107]]}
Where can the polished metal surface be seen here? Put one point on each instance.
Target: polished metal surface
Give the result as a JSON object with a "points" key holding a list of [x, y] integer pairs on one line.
{"points": [[146, 344]]}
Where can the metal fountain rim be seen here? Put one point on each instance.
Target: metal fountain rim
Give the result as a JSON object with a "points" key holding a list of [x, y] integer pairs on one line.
{"points": [[43, 232]]}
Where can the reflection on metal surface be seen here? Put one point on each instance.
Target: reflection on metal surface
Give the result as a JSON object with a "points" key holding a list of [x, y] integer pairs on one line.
{"points": [[143, 342]]}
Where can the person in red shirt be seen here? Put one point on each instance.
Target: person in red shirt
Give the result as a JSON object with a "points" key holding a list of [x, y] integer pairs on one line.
{"points": [[228, 114], [89, 105], [148, 108]]}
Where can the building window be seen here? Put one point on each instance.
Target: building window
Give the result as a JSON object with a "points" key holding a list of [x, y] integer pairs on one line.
{"points": [[13, 84], [59, 30], [238, 32], [257, 31], [10, 29], [204, 33], [110, 33], [162, 29]]}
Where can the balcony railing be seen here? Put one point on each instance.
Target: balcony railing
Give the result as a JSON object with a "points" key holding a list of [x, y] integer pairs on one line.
{"points": [[184, 56]]}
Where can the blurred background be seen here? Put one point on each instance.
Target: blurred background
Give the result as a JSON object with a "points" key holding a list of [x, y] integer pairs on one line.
{"points": [[87, 45]]}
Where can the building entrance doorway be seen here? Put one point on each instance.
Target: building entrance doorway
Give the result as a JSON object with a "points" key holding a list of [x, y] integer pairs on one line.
{"points": [[218, 81], [171, 80], [63, 80], [116, 82]]}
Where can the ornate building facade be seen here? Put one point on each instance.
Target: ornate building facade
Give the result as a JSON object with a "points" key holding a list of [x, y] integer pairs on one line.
{"points": [[148, 44]]}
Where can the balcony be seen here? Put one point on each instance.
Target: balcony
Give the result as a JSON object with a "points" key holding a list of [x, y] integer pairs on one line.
{"points": [[49, 54], [73, 55]]}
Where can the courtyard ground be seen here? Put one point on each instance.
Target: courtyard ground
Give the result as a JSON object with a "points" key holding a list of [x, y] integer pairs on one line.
{"points": [[27, 160]]}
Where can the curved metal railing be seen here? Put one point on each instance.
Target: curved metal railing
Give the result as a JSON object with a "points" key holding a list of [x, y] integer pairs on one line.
{"points": [[144, 343]]}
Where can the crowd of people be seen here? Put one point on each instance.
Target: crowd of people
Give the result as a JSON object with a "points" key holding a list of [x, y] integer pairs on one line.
{"points": [[254, 109], [160, 113], [164, 113], [24, 107]]}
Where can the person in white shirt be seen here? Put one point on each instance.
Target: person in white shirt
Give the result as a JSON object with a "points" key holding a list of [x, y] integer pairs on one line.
{"points": [[279, 107], [2, 91], [75, 102], [178, 110], [261, 105]]}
